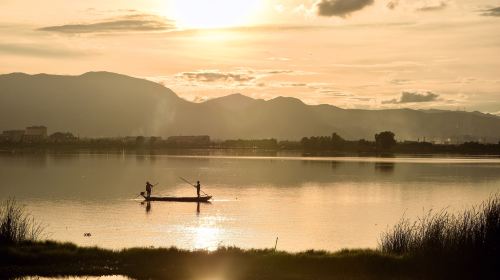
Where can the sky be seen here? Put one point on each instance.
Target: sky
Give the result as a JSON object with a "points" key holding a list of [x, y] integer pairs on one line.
{"points": [[366, 54]]}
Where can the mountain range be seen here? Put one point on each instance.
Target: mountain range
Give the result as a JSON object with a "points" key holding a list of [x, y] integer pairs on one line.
{"points": [[104, 104]]}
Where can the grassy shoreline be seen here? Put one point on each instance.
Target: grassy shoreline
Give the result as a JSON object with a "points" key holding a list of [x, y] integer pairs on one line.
{"points": [[437, 246], [64, 259], [55, 259]]}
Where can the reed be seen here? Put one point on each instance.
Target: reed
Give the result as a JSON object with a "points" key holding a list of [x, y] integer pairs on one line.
{"points": [[472, 234], [16, 225]]}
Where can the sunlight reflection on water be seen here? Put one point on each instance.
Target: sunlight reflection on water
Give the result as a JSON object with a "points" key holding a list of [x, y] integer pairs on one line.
{"points": [[327, 203]]}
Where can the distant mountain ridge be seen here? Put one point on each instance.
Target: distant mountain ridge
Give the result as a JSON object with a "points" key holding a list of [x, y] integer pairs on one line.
{"points": [[104, 104]]}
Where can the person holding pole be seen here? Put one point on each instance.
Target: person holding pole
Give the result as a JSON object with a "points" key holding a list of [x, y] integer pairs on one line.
{"points": [[148, 189], [198, 188]]}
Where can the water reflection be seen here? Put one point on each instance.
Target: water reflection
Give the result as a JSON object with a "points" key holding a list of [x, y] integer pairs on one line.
{"points": [[148, 206], [206, 237], [385, 167], [309, 203], [100, 177]]}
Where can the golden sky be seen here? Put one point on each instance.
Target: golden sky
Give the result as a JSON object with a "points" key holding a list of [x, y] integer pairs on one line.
{"points": [[348, 53]]}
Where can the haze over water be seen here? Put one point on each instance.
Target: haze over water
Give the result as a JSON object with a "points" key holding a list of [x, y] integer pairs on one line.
{"points": [[309, 203]]}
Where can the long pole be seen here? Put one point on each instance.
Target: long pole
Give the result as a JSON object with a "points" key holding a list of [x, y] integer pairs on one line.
{"points": [[192, 185]]}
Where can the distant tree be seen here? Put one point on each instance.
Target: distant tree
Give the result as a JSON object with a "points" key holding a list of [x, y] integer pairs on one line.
{"points": [[139, 140], [337, 141], [305, 142], [61, 137], [154, 140], [385, 140]]}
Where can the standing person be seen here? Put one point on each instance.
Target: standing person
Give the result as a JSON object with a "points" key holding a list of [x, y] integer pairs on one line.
{"points": [[198, 188], [148, 188]]}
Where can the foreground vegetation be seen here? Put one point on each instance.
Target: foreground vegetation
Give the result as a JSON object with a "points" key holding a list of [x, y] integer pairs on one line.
{"points": [[437, 246], [473, 234], [16, 225], [52, 259]]}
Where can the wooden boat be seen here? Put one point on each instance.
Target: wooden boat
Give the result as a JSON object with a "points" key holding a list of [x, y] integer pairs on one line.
{"points": [[203, 199]]}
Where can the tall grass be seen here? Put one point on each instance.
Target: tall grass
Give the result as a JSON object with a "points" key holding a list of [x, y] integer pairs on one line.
{"points": [[474, 233], [16, 225]]}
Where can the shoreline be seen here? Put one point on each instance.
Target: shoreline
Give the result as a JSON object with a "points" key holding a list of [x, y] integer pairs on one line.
{"points": [[53, 259], [241, 152]]}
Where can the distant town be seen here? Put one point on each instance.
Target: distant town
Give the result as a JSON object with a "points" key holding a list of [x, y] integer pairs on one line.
{"points": [[383, 142]]}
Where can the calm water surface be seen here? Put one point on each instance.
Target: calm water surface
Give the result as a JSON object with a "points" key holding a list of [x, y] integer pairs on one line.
{"points": [[309, 203]]}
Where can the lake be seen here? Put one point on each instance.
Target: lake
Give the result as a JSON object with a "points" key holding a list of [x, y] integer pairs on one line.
{"points": [[305, 202]]}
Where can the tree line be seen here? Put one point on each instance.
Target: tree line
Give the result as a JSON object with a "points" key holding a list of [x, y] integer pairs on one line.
{"points": [[383, 142]]}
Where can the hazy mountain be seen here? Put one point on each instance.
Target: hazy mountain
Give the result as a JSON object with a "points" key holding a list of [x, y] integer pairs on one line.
{"points": [[108, 104]]}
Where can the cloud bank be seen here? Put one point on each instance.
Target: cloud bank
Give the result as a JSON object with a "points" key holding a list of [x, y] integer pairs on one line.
{"points": [[392, 4], [432, 8], [239, 76], [341, 8], [127, 23], [413, 97], [215, 76], [493, 12], [38, 50]]}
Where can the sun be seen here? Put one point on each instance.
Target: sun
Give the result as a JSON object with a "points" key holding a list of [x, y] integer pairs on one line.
{"points": [[215, 13]]}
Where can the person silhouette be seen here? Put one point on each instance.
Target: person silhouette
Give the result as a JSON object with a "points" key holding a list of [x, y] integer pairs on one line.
{"points": [[198, 188], [148, 188]]}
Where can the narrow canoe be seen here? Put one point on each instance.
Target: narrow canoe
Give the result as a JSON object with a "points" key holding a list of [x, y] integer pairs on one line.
{"points": [[178, 199]]}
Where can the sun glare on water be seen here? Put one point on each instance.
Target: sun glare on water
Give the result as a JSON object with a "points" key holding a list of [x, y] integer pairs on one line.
{"points": [[215, 13]]}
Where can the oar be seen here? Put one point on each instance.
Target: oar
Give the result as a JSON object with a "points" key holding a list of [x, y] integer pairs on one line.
{"points": [[192, 185]]}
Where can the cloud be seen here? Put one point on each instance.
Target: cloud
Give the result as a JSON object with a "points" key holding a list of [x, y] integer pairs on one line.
{"points": [[334, 93], [413, 97], [392, 4], [341, 8], [493, 12], [40, 50], [278, 58], [240, 75], [291, 84], [216, 76], [200, 99], [126, 23], [400, 82], [432, 8], [275, 72], [392, 64]]}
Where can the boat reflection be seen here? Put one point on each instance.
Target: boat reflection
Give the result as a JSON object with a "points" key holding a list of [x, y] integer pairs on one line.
{"points": [[148, 206]]}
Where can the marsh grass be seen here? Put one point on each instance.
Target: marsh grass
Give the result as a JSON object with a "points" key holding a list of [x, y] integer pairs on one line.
{"points": [[472, 234], [437, 246], [50, 258], [16, 225]]}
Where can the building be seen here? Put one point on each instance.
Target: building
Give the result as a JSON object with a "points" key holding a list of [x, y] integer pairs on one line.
{"points": [[13, 136], [202, 140], [35, 134]]}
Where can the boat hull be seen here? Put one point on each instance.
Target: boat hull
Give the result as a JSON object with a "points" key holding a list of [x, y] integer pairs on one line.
{"points": [[203, 199]]}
